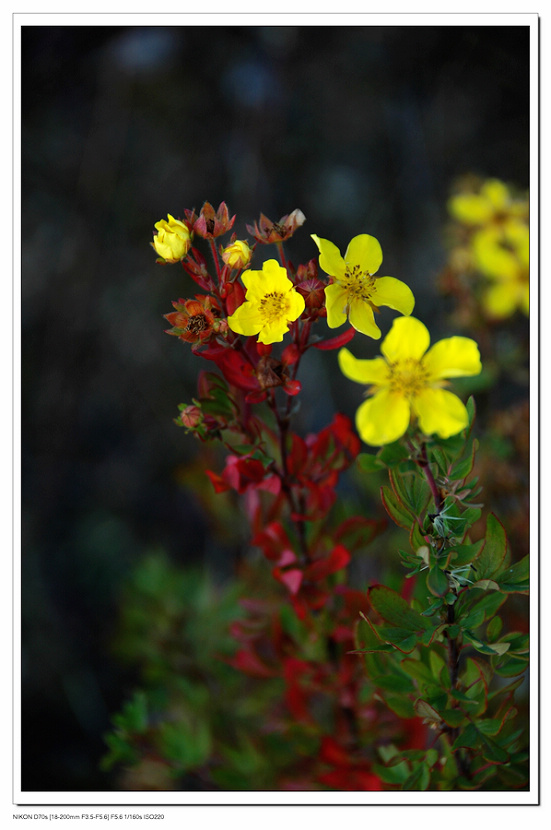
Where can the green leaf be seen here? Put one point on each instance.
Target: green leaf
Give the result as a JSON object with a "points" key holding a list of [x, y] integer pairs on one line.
{"points": [[419, 778], [418, 670], [369, 463], [486, 585], [187, 745], [394, 683], [411, 489], [427, 712], [433, 608], [416, 538], [393, 454], [408, 645], [437, 582], [441, 459], [511, 666], [133, 717], [395, 509], [453, 717], [516, 578], [465, 554], [471, 515], [478, 611], [400, 705], [484, 648], [490, 726], [395, 774], [367, 638], [510, 687], [492, 555], [473, 738], [464, 467], [395, 610]]}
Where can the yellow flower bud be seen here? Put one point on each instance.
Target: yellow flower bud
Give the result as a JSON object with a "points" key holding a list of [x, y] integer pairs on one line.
{"points": [[237, 255], [172, 240]]}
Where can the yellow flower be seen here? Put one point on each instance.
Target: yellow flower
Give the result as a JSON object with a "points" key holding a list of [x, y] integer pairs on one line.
{"points": [[502, 255], [271, 303], [172, 240], [237, 255], [355, 292], [408, 382], [492, 204]]}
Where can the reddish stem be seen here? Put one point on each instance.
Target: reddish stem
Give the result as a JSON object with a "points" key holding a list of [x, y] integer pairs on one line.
{"points": [[281, 254], [424, 463], [214, 252]]}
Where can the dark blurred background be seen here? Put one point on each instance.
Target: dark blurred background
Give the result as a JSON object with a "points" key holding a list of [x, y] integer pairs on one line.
{"points": [[362, 128]]}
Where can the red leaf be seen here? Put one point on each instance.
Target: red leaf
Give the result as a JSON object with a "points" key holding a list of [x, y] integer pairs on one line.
{"points": [[336, 342], [256, 397], [236, 368], [264, 349], [290, 354], [298, 455], [249, 663], [332, 753], [218, 482], [292, 579], [356, 532], [273, 540], [235, 296], [287, 558], [337, 559]]}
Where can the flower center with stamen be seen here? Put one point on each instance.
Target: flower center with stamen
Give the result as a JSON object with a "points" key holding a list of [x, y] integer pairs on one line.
{"points": [[408, 377], [197, 323], [358, 283], [273, 306]]}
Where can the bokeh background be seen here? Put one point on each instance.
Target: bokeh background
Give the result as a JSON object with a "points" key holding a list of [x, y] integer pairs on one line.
{"points": [[362, 128]]}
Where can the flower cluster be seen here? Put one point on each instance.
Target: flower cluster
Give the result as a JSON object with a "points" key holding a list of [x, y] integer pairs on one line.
{"points": [[490, 250], [276, 301]]}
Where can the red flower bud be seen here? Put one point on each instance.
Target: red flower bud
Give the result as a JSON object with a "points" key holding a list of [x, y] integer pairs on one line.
{"points": [[191, 417], [211, 223]]}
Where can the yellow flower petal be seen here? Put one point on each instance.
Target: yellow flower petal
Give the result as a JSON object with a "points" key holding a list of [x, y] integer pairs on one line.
{"points": [[362, 318], [470, 208], [383, 418], [363, 371], [517, 234], [453, 357], [297, 305], [408, 339], [496, 193], [331, 260], [335, 303], [500, 300], [172, 240], [393, 293], [365, 251], [273, 332], [491, 258], [440, 412], [245, 320], [273, 277]]}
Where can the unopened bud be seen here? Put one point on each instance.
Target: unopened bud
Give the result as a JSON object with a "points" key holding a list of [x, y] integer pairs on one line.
{"points": [[237, 255], [172, 240]]}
